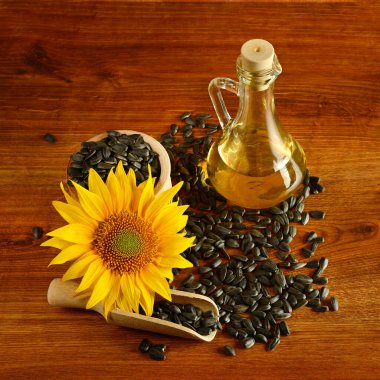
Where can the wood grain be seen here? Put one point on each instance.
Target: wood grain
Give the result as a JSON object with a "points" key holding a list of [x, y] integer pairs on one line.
{"points": [[78, 68]]}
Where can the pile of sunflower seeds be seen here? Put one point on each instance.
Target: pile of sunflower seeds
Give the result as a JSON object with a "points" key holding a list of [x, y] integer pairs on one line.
{"points": [[243, 257], [104, 155]]}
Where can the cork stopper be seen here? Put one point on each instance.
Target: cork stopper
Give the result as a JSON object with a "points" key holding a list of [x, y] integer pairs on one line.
{"points": [[257, 55]]}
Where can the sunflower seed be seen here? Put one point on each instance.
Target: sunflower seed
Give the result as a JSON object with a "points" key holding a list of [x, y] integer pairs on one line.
{"points": [[232, 243], [304, 218], [321, 309], [303, 279], [313, 294], [321, 280], [156, 353], [284, 247], [284, 328], [300, 207], [312, 264], [207, 282], [173, 129], [248, 342], [145, 345], [175, 309], [316, 214], [50, 138], [273, 344], [323, 293], [323, 263], [280, 279], [334, 303], [298, 266], [189, 279], [310, 236], [307, 252], [229, 351], [185, 115], [37, 232], [216, 263], [276, 210], [315, 302], [314, 246], [300, 303]]}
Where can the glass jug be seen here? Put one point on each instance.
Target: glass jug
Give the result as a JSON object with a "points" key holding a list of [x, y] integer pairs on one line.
{"points": [[255, 163]]}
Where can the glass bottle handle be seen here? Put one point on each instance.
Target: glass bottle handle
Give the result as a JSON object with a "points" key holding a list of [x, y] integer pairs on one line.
{"points": [[214, 90]]}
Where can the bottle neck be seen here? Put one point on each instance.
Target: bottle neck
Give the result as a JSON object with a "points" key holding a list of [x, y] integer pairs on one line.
{"points": [[256, 89], [255, 106]]}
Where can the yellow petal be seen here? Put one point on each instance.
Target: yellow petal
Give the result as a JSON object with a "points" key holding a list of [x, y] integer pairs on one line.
{"points": [[172, 245], [97, 186], [169, 212], [135, 191], [166, 272], [146, 296], [70, 200], [70, 253], [114, 188], [174, 262], [170, 223], [131, 178], [101, 289], [127, 299], [93, 272], [73, 214], [161, 200], [109, 301], [79, 267], [91, 203], [76, 233], [153, 278], [122, 303], [124, 186], [56, 243], [136, 293], [130, 290], [147, 196]]}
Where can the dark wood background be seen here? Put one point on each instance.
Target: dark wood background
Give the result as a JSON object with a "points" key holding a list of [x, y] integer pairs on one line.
{"points": [[78, 68]]}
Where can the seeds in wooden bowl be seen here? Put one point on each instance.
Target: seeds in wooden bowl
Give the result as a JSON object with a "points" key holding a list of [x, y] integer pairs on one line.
{"points": [[103, 155]]}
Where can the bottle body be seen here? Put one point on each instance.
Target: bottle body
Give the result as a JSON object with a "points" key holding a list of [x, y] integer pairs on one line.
{"points": [[247, 178]]}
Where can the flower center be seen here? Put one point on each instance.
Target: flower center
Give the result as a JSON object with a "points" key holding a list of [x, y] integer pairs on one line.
{"points": [[125, 242]]}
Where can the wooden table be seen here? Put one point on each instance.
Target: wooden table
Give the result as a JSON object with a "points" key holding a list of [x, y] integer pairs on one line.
{"points": [[78, 68]]}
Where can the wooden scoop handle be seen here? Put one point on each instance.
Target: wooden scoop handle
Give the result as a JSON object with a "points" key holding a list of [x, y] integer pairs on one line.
{"points": [[62, 294]]}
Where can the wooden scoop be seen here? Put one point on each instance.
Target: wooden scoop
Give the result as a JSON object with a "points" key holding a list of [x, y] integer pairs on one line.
{"points": [[62, 293]]}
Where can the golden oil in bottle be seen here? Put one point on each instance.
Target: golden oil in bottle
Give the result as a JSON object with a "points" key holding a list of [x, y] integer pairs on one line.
{"points": [[252, 185]]}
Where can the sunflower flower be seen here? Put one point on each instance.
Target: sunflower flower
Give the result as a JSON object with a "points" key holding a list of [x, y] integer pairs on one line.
{"points": [[122, 240]]}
